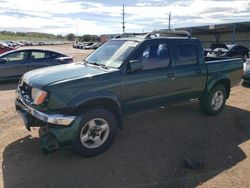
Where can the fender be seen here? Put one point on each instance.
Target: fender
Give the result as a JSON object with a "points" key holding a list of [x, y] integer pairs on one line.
{"points": [[101, 95], [212, 81], [86, 97]]}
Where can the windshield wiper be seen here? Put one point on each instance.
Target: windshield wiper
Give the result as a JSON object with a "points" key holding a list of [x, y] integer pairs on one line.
{"points": [[97, 64]]}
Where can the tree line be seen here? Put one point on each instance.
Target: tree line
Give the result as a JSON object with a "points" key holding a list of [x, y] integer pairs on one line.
{"points": [[37, 35], [86, 38]]}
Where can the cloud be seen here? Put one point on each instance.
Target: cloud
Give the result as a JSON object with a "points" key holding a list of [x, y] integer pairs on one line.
{"points": [[97, 17], [54, 25]]}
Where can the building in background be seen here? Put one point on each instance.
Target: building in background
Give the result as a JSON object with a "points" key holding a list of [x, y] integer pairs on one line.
{"points": [[232, 33]]}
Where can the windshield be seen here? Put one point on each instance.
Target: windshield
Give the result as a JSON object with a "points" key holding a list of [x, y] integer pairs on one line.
{"points": [[112, 53]]}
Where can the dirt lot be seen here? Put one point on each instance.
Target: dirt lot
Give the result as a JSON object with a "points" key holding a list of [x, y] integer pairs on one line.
{"points": [[149, 152]]}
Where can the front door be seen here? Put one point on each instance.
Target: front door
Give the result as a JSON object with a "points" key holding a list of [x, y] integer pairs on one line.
{"points": [[15, 65], [152, 86]]}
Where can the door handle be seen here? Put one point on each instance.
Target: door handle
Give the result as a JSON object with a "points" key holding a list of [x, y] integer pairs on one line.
{"points": [[198, 71], [171, 75]]}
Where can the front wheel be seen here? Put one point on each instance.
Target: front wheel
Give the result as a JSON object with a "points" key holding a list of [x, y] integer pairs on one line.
{"points": [[96, 132], [214, 102]]}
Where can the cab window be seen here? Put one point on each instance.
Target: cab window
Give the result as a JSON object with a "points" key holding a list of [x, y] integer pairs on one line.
{"points": [[187, 54], [154, 56]]}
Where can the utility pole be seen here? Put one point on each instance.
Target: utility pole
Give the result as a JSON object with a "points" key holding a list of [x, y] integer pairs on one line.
{"points": [[169, 20], [123, 19]]}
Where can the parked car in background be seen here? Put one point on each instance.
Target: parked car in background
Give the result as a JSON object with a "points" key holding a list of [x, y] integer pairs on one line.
{"points": [[88, 46], [93, 46], [236, 51], [229, 50], [5, 47], [75, 44], [214, 46], [81, 45], [15, 63], [246, 72]]}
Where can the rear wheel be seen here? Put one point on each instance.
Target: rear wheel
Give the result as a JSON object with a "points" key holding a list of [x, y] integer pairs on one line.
{"points": [[96, 132], [214, 102]]}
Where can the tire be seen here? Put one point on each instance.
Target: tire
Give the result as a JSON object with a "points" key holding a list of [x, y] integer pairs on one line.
{"points": [[96, 133], [214, 102]]}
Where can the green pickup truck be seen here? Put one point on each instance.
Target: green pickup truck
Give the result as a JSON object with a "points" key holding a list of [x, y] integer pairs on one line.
{"points": [[81, 105]]}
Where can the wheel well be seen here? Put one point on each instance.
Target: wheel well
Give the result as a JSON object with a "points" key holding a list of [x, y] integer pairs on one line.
{"points": [[108, 104], [226, 84]]}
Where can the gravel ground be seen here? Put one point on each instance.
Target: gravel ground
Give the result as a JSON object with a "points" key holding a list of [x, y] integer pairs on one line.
{"points": [[150, 152]]}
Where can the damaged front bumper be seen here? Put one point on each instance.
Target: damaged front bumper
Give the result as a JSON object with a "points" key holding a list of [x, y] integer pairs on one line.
{"points": [[56, 131], [58, 119]]}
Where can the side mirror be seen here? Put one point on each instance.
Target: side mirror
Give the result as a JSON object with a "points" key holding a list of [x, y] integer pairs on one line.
{"points": [[135, 66], [3, 60]]}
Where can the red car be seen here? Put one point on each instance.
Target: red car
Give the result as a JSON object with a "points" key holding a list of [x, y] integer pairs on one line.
{"points": [[5, 48]]}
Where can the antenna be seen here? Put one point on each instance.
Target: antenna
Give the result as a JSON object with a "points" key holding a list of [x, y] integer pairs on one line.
{"points": [[123, 19], [76, 38], [169, 20]]}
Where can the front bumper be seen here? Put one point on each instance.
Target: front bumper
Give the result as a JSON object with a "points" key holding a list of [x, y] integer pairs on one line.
{"points": [[22, 108], [52, 136]]}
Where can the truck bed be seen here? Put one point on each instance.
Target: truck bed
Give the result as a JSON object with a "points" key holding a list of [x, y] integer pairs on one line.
{"points": [[231, 67]]}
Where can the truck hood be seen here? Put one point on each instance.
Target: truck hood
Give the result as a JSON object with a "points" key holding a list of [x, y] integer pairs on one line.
{"points": [[39, 78]]}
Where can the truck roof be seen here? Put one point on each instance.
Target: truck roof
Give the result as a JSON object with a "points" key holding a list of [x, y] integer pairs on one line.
{"points": [[154, 38], [158, 35]]}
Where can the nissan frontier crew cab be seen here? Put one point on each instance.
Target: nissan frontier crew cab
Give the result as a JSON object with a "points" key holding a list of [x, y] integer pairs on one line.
{"points": [[81, 105]]}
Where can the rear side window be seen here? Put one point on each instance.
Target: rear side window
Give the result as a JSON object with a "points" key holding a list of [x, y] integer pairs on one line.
{"points": [[39, 55], [187, 54]]}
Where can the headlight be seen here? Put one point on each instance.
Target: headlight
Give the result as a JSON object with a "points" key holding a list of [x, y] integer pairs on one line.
{"points": [[38, 96]]}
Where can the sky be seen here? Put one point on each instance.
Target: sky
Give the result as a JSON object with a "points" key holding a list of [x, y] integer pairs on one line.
{"points": [[105, 17]]}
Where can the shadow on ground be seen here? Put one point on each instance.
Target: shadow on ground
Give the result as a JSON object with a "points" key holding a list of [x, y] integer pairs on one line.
{"points": [[149, 152]]}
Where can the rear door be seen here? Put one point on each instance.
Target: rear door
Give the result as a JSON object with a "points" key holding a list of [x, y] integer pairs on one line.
{"points": [[190, 72], [151, 87], [39, 59], [15, 66]]}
